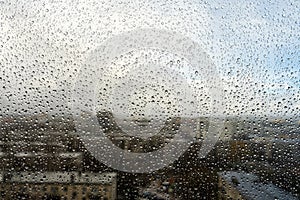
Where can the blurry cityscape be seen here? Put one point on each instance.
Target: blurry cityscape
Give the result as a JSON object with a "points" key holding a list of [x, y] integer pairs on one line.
{"points": [[42, 157]]}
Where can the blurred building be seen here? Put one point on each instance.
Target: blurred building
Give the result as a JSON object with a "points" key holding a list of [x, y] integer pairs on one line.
{"points": [[58, 185], [40, 150]]}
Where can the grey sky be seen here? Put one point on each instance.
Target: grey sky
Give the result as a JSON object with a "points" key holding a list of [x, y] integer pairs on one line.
{"points": [[254, 45]]}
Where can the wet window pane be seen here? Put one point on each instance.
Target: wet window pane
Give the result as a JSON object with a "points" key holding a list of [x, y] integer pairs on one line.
{"points": [[164, 100]]}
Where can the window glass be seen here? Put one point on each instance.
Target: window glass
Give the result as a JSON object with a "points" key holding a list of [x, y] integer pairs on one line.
{"points": [[149, 99]]}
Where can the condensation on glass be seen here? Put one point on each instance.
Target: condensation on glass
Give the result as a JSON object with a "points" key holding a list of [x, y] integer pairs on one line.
{"points": [[149, 99]]}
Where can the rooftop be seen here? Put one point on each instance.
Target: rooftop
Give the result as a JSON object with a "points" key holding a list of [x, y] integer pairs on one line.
{"points": [[250, 187], [59, 177]]}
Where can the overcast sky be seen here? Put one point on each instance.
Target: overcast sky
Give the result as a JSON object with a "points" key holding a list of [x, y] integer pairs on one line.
{"points": [[253, 44]]}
